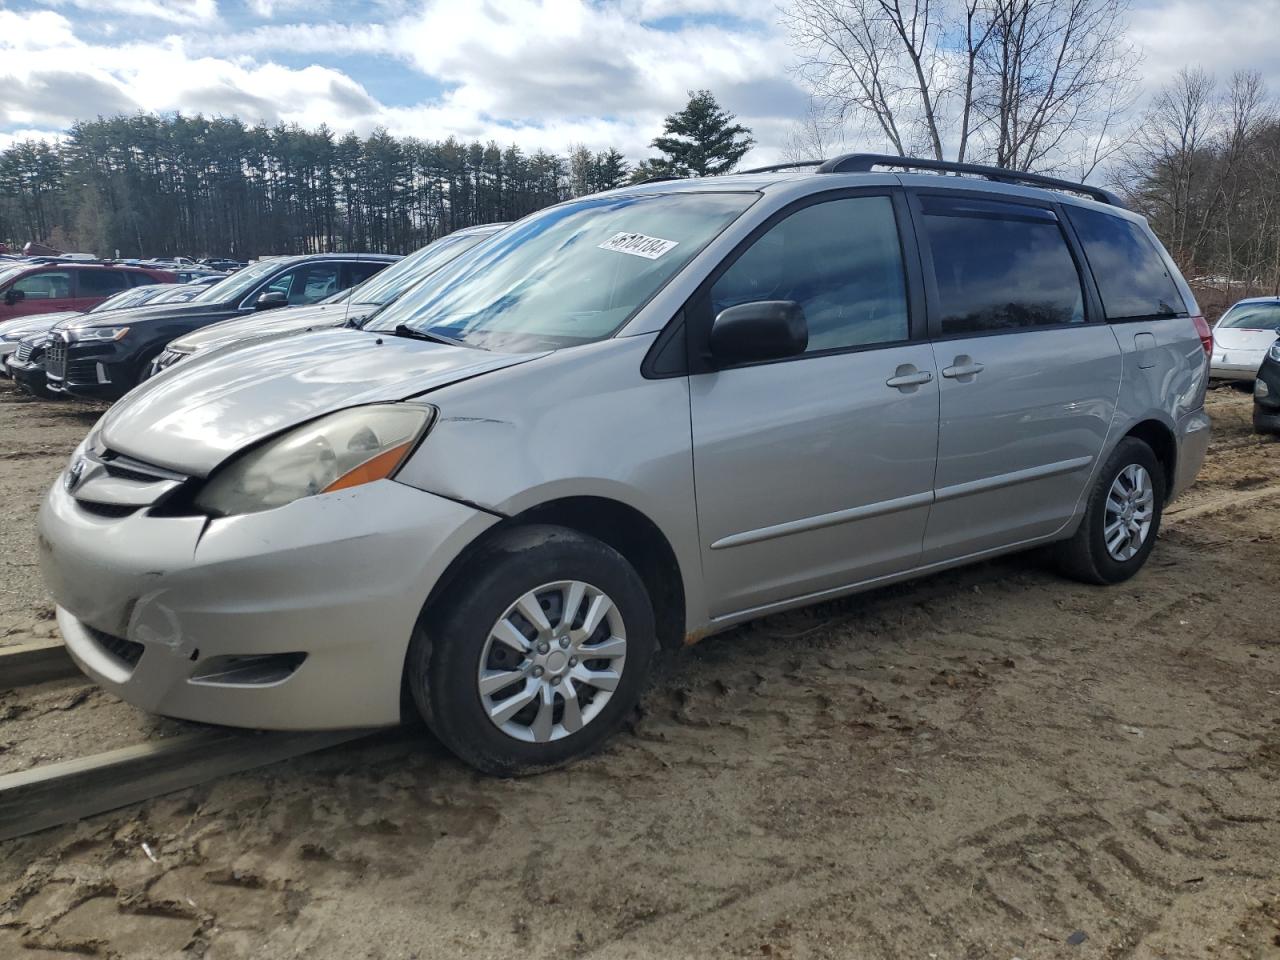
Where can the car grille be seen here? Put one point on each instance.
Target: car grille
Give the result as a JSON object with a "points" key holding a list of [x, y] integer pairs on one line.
{"points": [[55, 359], [23, 353]]}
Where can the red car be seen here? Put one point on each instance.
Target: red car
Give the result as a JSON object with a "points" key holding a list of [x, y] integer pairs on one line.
{"points": [[27, 288]]}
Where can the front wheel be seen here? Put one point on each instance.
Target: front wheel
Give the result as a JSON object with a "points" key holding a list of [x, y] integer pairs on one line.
{"points": [[1121, 520], [535, 654]]}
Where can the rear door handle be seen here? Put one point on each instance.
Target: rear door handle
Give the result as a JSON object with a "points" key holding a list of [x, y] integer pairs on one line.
{"points": [[907, 377], [964, 368]]}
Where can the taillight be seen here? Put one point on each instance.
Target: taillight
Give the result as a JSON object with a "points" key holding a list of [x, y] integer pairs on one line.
{"points": [[1206, 334]]}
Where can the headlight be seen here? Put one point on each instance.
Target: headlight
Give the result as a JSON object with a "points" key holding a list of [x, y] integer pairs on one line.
{"points": [[98, 333], [342, 450], [1274, 352]]}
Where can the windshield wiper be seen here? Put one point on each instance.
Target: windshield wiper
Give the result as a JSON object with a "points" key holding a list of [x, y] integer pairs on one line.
{"points": [[404, 330]]}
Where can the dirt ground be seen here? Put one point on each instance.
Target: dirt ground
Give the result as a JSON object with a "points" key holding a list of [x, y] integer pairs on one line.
{"points": [[991, 763]]}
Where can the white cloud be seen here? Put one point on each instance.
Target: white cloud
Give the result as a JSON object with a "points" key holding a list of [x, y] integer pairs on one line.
{"points": [[1221, 37], [271, 8], [7, 140], [173, 11], [540, 73]]}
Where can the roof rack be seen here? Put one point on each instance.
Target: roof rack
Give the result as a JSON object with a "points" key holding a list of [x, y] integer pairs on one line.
{"points": [[863, 162], [780, 166]]}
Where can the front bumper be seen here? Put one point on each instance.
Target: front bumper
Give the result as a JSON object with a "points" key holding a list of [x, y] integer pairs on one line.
{"points": [[1193, 442], [340, 578], [7, 349], [29, 376], [91, 370]]}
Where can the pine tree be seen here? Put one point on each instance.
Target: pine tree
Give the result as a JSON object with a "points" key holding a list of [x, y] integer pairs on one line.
{"points": [[701, 140]]}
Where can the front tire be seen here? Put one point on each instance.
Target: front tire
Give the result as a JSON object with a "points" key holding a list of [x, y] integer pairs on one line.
{"points": [[535, 653], [1121, 520]]}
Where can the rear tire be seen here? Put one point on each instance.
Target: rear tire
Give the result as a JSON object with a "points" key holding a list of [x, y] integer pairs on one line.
{"points": [[480, 670], [1121, 520]]}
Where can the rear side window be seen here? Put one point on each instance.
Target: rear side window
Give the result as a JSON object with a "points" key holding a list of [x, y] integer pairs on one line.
{"points": [[1000, 266], [360, 272], [100, 283], [1130, 273], [840, 260], [139, 279]]}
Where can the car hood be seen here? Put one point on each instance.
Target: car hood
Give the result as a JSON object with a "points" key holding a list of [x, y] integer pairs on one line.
{"points": [[269, 324], [157, 311], [197, 414], [1242, 338], [36, 323]]}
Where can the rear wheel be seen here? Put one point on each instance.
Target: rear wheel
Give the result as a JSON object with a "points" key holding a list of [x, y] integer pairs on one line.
{"points": [[1122, 518], [539, 653]]}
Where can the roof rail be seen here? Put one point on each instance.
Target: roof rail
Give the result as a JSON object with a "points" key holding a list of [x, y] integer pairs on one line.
{"points": [[781, 166], [863, 162]]}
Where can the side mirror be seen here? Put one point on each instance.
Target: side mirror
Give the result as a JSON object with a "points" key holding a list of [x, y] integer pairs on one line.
{"points": [[272, 299], [763, 330], [14, 296]]}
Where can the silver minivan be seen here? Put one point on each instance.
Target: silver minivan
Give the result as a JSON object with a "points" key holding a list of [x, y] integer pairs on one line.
{"points": [[629, 421]]}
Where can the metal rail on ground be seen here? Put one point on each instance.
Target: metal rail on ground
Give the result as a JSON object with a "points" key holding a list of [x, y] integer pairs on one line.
{"points": [[60, 793], [35, 662]]}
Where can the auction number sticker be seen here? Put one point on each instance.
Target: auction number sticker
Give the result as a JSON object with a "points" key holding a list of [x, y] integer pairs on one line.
{"points": [[638, 245]]}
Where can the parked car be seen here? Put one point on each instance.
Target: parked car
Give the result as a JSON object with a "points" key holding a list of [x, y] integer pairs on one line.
{"points": [[631, 420], [351, 307], [25, 365], [217, 263], [59, 286], [103, 360], [1242, 337], [23, 341], [187, 275], [1266, 392]]}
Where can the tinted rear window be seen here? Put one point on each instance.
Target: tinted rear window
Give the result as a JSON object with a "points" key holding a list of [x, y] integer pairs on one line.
{"points": [[1130, 273], [1000, 266], [100, 283]]}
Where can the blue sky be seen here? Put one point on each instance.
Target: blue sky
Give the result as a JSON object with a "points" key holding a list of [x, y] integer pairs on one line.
{"points": [[539, 73]]}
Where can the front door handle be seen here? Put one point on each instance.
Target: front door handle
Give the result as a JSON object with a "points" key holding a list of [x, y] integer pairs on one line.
{"points": [[964, 368], [907, 377]]}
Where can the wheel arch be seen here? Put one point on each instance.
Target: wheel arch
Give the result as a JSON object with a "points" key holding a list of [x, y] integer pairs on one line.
{"points": [[621, 526], [1160, 438]]}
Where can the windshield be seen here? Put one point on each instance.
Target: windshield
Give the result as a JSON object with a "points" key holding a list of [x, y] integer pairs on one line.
{"points": [[1252, 316], [9, 274], [569, 275], [240, 283], [385, 286], [125, 298]]}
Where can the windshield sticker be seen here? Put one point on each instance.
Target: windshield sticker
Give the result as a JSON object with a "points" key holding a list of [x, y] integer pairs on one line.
{"points": [[638, 245]]}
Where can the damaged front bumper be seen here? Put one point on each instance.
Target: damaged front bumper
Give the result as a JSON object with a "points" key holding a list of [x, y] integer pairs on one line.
{"points": [[293, 618]]}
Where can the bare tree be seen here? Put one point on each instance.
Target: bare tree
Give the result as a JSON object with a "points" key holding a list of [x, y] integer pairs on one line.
{"points": [[874, 62], [1024, 83], [1051, 71], [1167, 168], [1204, 166], [816, 137]]}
